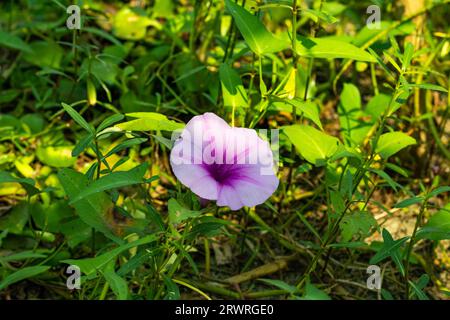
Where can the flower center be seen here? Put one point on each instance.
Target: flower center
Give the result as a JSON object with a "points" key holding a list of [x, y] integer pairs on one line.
{"points": [[221, 172]]}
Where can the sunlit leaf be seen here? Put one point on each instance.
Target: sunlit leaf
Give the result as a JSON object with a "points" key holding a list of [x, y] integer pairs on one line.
{"points": [[147, 121], [313, 145], [255, 34], [234, 94], [392, 142], [330, 49]]}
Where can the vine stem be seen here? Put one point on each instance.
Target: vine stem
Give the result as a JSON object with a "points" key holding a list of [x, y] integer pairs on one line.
{"points": [[411, 245], [207, 257], [332, 234], [294, 108], [104, 291]]}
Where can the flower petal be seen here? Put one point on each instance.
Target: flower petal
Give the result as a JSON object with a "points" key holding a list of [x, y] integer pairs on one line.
{"points": [[196, 178], [229, 197], [253, 187]]}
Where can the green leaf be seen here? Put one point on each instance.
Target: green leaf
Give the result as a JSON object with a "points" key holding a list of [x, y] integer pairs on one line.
{"points": [[45, 54], [438, 226], [313, 145], [8, 95], [409, 202], [57, 156], [392, 142], [281, 285], [308, 109], [90, 266], [172, 292], [76, 231], [234, 94], [109, 121], [207, 226], [141, 257], [178, 213], [255, 34], [313, 293], [78, 118], [124, 145], [328, 48], [82, 144], [397, 169], [390, 249], [377, 105], [22, 274], [337, 201], [129, 25], [21, 256], [386, 294], [322, 15], [118, 284], [14, 42], [417, 291], [394, 185], [190, 73], [149, 121], [423, 281], [358, 223], [93, 208], [15, 220], [353, 120], [427, 86], [112, 181], [34, 122], [27, 184], [103, 34], [438, 191]]}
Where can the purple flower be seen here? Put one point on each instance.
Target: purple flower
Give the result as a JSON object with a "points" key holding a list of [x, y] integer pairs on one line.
{"points": [[217, 162]]}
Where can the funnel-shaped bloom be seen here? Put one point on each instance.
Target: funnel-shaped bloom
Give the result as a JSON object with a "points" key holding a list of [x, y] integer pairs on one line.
{"points": [[217, 162]]}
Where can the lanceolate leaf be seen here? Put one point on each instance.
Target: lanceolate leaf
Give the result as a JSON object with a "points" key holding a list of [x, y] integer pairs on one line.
{"points": [[118, 284], [124, 145], [331, 49], [409, 202], [82, 144], [78, 118], [390, 249], [109, 121], [90, 266], [281, 285], [112, 181], [147, 121], [22, 274], [255, 34], [14, 42]]}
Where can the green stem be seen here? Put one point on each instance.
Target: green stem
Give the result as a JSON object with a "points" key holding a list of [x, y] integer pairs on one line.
{"points": [[411, 245], [207, 257], [104, 291]]}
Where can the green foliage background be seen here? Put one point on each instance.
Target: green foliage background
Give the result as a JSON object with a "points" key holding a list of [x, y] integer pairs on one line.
{"points": [[86, 118]]}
